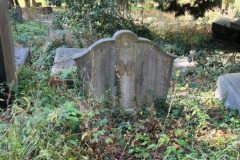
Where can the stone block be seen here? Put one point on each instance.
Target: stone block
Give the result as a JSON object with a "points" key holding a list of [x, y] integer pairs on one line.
{"points": [[21, 55], [228, 90], [64, 59], [226, 30]]}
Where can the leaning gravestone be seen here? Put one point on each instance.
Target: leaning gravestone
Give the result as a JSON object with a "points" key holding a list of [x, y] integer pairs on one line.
{"points": [[7, 58], [139, 67]]}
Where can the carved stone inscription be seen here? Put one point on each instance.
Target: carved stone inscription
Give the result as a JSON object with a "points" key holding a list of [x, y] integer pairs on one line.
{"points": [[142, 68], [125, 68]]}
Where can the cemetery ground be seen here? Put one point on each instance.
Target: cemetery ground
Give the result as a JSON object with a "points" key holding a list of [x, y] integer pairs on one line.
{"points": [[46, 120]]}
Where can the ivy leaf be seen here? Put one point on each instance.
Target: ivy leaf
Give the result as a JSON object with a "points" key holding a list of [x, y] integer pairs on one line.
{"points": [[164, 139], [108, 140], [152, 147]]}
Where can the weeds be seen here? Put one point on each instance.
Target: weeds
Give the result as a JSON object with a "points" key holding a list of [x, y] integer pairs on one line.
{"points": [[47, 122]]}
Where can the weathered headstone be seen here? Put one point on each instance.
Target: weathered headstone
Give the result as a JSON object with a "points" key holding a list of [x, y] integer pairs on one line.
{"points": [[135, 67], [18, 14], [228, 90], [7, 58]]}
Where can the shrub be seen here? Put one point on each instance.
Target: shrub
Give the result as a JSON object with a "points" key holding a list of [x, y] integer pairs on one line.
{"points": [[104, 18]]}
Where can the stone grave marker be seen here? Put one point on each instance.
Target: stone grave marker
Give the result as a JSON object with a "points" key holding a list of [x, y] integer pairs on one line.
{"points": [[21, 55], [18, 14], [140, 68], [227, 30], [228, 90], [7, 58]]}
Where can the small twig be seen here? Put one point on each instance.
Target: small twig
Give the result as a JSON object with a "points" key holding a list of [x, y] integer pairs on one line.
{"points": [[9, 89], [170, 105], [128, 143]]}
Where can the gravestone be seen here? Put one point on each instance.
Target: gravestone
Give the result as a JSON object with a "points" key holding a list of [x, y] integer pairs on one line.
{"points": [[21, 55], [7, 58], [135, 67], [228, 90], [18, 14], [226, 30]]}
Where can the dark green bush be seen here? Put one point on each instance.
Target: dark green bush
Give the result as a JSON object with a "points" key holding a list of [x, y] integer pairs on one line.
{"points": [[104, 19]]}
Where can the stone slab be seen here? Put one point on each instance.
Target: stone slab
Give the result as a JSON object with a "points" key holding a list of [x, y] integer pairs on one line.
{"points": [[44, 21], [21, 55], [182, 63], [228, 90], [64, 59]]}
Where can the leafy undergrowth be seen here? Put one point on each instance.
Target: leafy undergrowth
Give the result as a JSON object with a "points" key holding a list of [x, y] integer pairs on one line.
{"points": [[46, 120]]}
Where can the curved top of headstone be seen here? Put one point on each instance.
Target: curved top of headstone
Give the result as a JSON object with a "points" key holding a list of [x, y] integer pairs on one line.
{"points": [[124, 36]]}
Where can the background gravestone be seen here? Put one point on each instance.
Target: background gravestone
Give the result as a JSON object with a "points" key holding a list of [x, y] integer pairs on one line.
{"points": [[18, 14], [226, 30], [7, 58], [135, 67]]}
